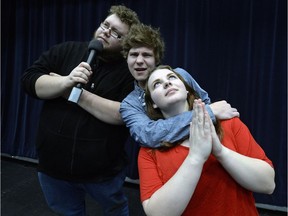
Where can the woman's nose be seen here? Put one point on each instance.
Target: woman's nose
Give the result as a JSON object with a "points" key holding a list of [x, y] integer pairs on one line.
{"points": [[167, 83]]}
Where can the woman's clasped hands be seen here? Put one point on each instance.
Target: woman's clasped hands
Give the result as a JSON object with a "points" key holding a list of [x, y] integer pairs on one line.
{"points": [[203, 137]]}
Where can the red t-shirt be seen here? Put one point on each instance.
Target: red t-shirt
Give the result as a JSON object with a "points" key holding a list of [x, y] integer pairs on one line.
{"points": [[217, 193]]}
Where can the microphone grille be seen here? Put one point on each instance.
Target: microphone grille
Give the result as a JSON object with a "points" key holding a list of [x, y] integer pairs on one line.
{"points": [[95, 45]]}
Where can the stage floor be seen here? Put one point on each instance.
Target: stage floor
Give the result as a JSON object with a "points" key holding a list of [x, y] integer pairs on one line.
{"points": [[21, 193]]}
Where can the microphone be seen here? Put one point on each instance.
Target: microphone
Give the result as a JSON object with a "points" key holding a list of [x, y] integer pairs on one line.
{"points": [[94, 47]]}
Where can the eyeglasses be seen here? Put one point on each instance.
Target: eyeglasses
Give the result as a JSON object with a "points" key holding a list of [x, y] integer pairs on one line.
{"points": [[105, 26]]}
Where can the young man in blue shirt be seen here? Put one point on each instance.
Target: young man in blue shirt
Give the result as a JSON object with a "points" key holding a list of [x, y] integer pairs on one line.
{"points": [[143, 49]]}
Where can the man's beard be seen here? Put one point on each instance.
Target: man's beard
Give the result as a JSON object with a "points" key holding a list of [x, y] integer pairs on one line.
{"points": [[111, 55]]}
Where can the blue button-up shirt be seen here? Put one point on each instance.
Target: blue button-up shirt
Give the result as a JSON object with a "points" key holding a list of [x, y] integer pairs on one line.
{"points": [[150, 133]]}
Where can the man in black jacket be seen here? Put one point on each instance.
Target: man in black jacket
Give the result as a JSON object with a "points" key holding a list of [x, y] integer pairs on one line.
{"points": [[79, 150]]}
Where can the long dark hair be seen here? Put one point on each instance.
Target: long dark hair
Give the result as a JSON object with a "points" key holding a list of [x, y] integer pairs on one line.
{"points": [[156, 114]]}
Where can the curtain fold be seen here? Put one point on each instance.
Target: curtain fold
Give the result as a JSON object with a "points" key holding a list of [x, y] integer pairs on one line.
{"points": [[236, 50]]}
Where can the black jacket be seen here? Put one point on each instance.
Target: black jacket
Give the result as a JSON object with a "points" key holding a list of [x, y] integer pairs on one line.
{"points": [[71, 143]]}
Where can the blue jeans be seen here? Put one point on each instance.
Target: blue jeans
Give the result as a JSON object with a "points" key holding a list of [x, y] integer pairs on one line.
{"points": [[68, 198]]}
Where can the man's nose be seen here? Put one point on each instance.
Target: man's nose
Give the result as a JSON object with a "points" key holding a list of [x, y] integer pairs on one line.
{"points": [[107, 31], [139, 58]]}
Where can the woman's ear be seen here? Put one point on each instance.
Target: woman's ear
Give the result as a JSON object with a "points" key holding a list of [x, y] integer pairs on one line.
{"points": [[155, 106]]}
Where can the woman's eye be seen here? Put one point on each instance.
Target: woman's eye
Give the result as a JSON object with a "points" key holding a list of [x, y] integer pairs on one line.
{"points": [[156, 84], [172, 77]]}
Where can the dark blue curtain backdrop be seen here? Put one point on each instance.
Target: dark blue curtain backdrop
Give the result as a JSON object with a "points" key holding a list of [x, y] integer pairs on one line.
{"points": [[235, 49]]}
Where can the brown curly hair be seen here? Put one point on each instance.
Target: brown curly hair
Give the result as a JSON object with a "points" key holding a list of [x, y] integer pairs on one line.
{"points": [[144, 35], [126, 15]]}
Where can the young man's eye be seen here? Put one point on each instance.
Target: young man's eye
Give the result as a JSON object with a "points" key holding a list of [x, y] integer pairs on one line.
{"points": [[133, 54], [147, 55]]}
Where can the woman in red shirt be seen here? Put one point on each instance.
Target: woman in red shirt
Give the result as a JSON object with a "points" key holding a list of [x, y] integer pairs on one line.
{"points": [[213, 172]]}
